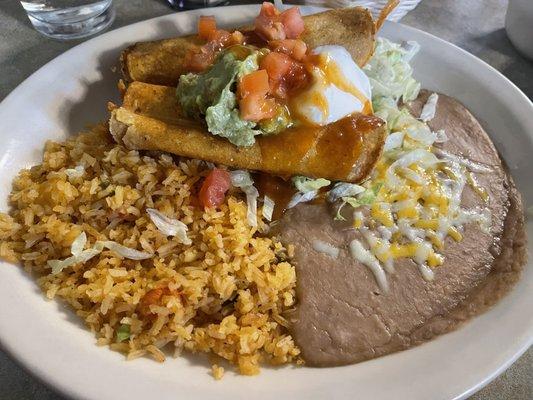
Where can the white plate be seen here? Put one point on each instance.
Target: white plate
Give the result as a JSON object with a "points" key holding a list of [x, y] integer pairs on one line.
{"points": [[71, 92]]}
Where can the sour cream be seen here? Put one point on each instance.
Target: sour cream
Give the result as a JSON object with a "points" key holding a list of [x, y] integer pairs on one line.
{"points": [[339, 88]]}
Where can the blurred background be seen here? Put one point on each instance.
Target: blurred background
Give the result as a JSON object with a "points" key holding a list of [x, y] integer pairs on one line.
{"points": [[34, 32]]}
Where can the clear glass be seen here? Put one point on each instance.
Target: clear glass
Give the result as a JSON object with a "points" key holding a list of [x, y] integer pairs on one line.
{"points": [[69, 19]]}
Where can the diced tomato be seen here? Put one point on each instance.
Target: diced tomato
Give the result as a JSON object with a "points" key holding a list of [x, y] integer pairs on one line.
{"points": [[255, 83], [217, 39], [292, 22], [214, 188], [268, 10], [221, 38], [286, 75], [253, 103], [271, 25], [277, 65], [292, 47], [267, 23], [207, 26], [207, 30], [201, 59], [256, 108]]}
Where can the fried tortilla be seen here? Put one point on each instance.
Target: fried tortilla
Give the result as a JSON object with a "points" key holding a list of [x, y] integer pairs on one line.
{"points": [[162, 62], [150, 119], [343, 317]]}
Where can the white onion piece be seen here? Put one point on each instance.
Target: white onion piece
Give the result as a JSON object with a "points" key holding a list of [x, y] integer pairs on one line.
{"points": [[268, 208], [326, 248], [365, 257], [430, 108], [301, 198], [169, 226]]}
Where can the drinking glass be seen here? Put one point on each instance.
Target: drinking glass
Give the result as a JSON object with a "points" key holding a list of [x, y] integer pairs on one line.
{"points": [[69, 19]]}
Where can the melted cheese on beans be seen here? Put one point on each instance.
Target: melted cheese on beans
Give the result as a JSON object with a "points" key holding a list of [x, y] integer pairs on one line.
{"points": [[417, 207]]}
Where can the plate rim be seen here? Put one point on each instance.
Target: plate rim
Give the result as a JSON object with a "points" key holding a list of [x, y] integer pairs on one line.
{"points": [[58, 386]]}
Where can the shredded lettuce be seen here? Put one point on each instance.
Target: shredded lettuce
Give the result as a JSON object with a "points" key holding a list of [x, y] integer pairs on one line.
{"points": [[363, 198], [344, 189], [393, 141], [338, 214], [304, 184], [169, 226], [251, 201], [124, 251], [390, 73], [301, 197], [78, 244], [79, 255], [429, 109], [307, 189], [392, 82], [243, 180], [370, 194], [268, 208]]}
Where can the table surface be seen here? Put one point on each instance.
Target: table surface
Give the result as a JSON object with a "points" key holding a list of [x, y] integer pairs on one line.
{"points": [[475, 25]]}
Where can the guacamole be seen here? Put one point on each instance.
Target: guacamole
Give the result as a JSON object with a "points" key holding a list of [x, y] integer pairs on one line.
{"points": [[211, 95]]}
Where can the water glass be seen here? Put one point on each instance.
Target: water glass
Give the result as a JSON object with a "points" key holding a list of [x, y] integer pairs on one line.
{"points": [[69, 19]]}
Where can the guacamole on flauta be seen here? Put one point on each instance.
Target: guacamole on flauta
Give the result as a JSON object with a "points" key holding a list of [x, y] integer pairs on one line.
{"points": [[211, 95]]}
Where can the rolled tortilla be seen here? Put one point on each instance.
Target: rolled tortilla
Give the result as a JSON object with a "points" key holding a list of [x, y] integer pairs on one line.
{"points": [[150, 119], [162, 62]]}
